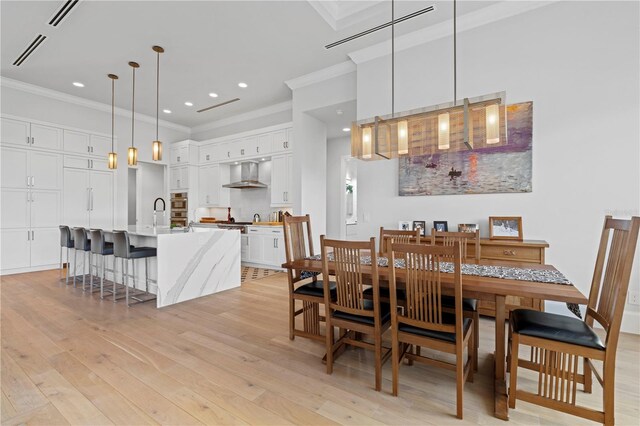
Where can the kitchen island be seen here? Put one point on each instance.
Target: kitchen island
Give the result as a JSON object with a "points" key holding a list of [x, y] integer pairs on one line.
{"points": [[189, 264]]}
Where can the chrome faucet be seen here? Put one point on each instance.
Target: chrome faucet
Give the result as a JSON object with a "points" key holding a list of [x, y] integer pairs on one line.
{"points": [[155, 210]]}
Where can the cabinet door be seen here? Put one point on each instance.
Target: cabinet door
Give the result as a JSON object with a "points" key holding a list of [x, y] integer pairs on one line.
{"points": [[234, 149], [249, 147], [76, 142], [174, 174], [15, 208], [204, 180], [210, 187], [289, 143], [45, 246], [244, 248], [101, 200], [15, 132], [270, 249], [180, 155], [207, 153], [184, 177], [45, 209], [256, 249], [281, 256], [223, 151], [101, 146], [46, 170], [46, 137], [75, 198], [264, 144], [15, 168], [278, 180], [15, 248], [279, 141]]}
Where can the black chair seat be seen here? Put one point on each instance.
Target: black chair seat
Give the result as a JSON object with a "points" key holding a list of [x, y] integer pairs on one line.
{"points": [[384, 293], [385, 314], [87, 245], [447, 318], [467, 303], [70, 244], [142, 252], [316, 289], [555, 327]]}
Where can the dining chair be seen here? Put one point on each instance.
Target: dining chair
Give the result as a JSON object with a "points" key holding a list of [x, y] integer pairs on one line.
{"points": [[298, 242], [424, 322], [558, 342], [397, 236], [355, 315], [469, 305]]}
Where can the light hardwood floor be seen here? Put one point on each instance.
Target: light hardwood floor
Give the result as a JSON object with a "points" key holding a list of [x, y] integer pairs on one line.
{"points": [[68, 357]]}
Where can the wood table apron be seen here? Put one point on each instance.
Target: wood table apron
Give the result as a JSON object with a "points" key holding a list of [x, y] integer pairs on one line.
{"points": [[483, 288]]}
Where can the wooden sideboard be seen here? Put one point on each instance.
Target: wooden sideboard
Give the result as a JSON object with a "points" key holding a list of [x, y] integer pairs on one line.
{"points": [[531, 251]]}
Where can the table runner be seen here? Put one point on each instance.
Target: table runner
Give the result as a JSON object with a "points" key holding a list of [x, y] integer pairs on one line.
{"points": [[492, 271]]}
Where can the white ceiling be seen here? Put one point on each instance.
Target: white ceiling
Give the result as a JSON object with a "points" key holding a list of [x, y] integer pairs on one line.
{"points": [[334, 121], [210, 46]]}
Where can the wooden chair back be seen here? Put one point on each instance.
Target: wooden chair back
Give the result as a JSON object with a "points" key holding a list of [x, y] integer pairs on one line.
{"points": [[611, 276], [350, 282], [448, 239], [423, 285], [387, 236], [298, 240]]}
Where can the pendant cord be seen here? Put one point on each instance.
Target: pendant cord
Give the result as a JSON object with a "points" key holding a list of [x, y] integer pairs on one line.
{"points": [[455, 63], [157, 92], [113, 90], [393, 59], [133, 105]]}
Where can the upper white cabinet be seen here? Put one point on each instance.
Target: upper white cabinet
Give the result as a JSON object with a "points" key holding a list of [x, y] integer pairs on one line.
{"points": [[33, 135], [46, 170], [281, 175], [77, 142], [264, 144], [210, 181], [208, 153], [282, 140], [101, 145], [23, 168], [86, 163], [247, 146], [179, 177], [179, 154]]}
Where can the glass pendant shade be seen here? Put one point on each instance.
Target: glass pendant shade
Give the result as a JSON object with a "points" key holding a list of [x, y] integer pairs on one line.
{"points": [[112, 160], [443, 131], [132, 156], [366, 143], [492, 113], [403, 137], [156, 151]]}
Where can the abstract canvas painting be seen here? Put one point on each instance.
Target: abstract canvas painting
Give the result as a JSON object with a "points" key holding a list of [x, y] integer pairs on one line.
{"points": [[501, 168]]}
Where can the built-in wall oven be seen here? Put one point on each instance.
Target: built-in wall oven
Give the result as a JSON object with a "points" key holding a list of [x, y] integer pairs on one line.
{"points": [[179, 209]]}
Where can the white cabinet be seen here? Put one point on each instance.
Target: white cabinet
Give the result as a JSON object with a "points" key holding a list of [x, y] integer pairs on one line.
{"points": [[45, 246], [45, 137], [210, 190], [223, 151], [15, 168], [45, 209], [179, 154], [265, 246], [15, 132], [264, 143], [179, 177], [244, 248], [88, 198], [101, 146], [282, 140], [256, 250], [208, 154], [16, 248], [85, 163], [77, 142], [281, 175], [23, 168], [15, 208]]}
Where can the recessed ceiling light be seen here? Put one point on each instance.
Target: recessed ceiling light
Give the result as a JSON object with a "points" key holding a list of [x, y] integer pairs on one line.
{"points": [[243, 85], [213, 95], [235, 162], [166, 111], [339, 111], [346, 129], [188, 103], [263, 159], [78, 84]]}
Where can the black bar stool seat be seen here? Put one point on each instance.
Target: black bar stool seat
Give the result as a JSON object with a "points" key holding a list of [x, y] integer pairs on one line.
{"points": [[125, 251], [142, 252], [101, 248]]}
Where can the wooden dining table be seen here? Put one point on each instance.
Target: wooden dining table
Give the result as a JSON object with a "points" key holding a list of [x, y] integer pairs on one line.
{"points": [[482, 288]]}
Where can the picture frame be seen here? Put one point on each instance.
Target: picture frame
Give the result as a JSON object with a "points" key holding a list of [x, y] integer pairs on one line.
{"points": [[404, 225], [467, 227], [441, 225], [505, 228], [420, 224]]}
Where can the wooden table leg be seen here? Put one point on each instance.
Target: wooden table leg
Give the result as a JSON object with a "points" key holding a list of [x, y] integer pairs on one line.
{"points": [[501, 409]]}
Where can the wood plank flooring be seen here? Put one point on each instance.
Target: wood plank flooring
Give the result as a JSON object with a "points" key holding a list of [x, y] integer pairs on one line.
{"points": [[71, 358]]}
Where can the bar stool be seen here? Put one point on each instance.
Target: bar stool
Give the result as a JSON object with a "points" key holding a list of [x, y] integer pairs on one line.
{"points": [[66, 241], [101, 248], [126, 252], [82, 242]]}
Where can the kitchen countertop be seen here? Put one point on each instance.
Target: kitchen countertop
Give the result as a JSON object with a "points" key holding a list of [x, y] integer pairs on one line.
{"points": [[149, 231]]}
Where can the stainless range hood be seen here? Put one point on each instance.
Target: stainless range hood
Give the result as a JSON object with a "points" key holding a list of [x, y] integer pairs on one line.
{"points": [[248, 177]]}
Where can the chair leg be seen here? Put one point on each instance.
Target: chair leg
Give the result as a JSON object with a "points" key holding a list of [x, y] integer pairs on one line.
{"points": [[378, 363], [292, 317], [68, 267], [126, 282], [60, 270], [75, 266], [587, 376], [102, 278], [476, 339], [608, 393], [471, 354], [513, 376], [329, 344], [395, 361], [84, 269], [459, 382], [90, 272], [146, 274]]}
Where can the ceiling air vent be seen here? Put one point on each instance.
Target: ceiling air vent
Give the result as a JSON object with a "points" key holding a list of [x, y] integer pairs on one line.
{"points": [[62, 12], [29, 50]]}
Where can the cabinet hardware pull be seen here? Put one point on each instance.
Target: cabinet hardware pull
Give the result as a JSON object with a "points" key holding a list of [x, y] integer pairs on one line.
{"points": [[509, 252], [33, 140], [207, 157], [33, 235], [228, 154], [274, 243], [257, 149], [92, 164], [33, 181], [88, 148], [28, 181], [88, 164], [242, 152], [91, 149], [28, 140], [28, 236], [178, 158]]}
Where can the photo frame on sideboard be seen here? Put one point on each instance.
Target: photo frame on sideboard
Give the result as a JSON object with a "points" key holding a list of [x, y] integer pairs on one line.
{"points": [[505, 228]]}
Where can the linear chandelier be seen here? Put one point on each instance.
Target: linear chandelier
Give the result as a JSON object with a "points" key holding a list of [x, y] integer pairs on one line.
{"points": [[459, 125]]}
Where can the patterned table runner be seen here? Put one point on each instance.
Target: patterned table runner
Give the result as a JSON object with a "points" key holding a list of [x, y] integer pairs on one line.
{"points": [[491, 271]]}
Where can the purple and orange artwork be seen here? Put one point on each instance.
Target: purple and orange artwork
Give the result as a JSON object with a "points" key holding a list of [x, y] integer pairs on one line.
{"points": [[500, 168]]}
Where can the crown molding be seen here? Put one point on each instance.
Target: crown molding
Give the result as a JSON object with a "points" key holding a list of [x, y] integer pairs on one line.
{"points": [[477, 18], [340, 15], [250, 115], [324, 10], [76, 100], [337, 70]]}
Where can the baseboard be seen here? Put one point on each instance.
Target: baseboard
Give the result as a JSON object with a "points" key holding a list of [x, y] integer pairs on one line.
{"points": [[29, 269]]}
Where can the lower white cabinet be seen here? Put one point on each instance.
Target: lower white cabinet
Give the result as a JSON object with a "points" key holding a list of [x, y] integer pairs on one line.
{"points": [[264, 246], [281, 175], [24, 248], [45, 246]]}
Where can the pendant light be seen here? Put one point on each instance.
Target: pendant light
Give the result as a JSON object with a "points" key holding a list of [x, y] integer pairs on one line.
{"points": [[156, 148], [132, 153], [443, 118], [112, 159]]}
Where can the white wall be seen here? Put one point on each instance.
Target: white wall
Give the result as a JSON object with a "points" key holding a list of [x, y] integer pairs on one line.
{"points": [[336, 149], [151, 185], [579, 64], [38, 107]]}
